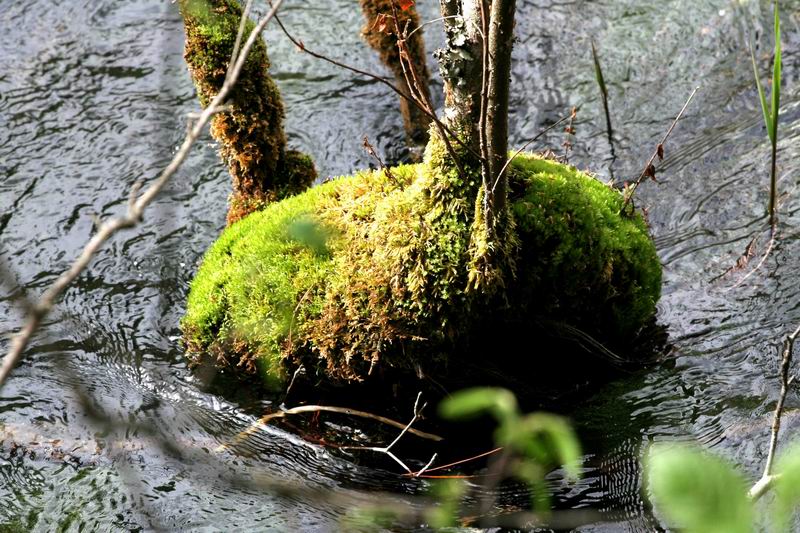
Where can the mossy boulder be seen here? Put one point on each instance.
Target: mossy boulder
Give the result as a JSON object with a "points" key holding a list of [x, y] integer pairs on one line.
{"points": [[371, 273]]}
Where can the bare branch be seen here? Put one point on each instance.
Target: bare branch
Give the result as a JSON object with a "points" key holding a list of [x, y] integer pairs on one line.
{"points": [[261, 422], [135, 210], [767, 478], [649, 169], [302, 47]]}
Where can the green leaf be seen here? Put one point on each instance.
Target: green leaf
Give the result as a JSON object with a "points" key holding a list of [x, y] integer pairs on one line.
{"points": [[471, 403], [547, 439], [776, 77], [764, 109], [787, 488], [698, 492]]}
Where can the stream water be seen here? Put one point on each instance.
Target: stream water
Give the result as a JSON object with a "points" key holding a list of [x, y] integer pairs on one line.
{"points": [[114, 431]]}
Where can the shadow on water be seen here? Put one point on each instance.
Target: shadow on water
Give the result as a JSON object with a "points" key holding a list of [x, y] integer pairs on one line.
{"points": [[92, 99]]}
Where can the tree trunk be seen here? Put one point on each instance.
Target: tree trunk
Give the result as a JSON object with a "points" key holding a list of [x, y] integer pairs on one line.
{"points": [[381, 35], [461, 66], [250, 135], [501, 40]]}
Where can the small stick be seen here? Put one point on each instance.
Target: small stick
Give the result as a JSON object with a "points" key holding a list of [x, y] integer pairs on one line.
{"points": [[371, 151], [329, 409], [767, 478], [649, 169], [598, 73]]}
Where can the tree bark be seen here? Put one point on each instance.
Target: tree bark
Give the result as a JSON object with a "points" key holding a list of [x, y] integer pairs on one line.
{"points": [[461, 67], [384, 41], [501, 41]]}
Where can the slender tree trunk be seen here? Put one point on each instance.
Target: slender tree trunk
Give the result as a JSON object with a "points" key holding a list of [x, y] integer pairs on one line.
{"points": [[381, 35], [461, 66], [250, 135], [501, 41]]}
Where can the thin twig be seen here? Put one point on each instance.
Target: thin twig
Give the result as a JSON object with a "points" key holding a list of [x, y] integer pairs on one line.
{"points": [[415, 30], [456, 463], [767, 478], [422, 99], [649, 169], [135, 211], [522, 148], [380, 79], [261, 422], [239, 35], [760, 263], [372, 152]]}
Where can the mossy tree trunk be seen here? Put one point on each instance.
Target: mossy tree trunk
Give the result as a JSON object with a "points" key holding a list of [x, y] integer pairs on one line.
{"points": [[251, 136], [476, 69], [381, 35]]}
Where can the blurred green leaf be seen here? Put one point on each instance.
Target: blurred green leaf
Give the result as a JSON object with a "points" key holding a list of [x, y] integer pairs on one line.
{"points": [[471, 403], [448, 492], [310, 233], [787, 488], [698, 492]]}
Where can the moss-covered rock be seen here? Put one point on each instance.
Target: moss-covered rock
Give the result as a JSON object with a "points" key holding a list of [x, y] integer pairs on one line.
{"points": [[371, 273]]}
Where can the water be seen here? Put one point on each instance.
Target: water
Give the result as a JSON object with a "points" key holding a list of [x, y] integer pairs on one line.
{"points": [[116, 432]]}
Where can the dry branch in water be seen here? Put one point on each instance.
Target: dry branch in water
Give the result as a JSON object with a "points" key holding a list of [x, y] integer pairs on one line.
{"points": [[329, 409], [136, 205], [768, 477]]}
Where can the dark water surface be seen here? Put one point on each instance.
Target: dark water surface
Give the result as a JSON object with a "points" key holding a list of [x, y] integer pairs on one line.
{"points": [[93, 97]]}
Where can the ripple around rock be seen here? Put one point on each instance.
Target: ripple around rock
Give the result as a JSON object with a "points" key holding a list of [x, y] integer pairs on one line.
{"points": [[93, 97]]}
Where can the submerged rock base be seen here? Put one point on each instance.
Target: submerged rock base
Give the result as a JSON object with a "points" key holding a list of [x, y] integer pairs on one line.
{"points": [[369, 274]]}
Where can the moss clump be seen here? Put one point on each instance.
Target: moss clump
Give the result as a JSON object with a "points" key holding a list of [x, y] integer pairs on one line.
{"points": [[251, 136], [373, 271], [580, 261], [243, 306]]}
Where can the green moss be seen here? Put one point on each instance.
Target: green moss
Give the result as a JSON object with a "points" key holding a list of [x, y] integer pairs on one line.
{"points": [[251, 136], [243, 307], [581, 262], [375, 271]]}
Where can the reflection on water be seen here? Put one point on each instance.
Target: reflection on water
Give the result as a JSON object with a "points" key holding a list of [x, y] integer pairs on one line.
{"points": [[93, 97]]}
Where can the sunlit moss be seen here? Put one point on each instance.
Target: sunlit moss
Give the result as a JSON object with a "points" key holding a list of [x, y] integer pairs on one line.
{"points": [[375, 271], [251, 136]]}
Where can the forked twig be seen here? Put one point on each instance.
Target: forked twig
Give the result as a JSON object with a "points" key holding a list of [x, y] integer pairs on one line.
{"points": [[136, 209], [388, 449], [768, 478]]}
